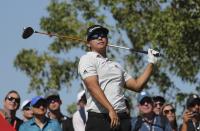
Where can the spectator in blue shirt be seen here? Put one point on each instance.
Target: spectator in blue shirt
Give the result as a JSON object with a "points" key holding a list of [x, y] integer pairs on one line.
{"points": [[40, 122]]}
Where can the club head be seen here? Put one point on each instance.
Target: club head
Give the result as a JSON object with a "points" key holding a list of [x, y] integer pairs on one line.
{"points": [[28, 31]]}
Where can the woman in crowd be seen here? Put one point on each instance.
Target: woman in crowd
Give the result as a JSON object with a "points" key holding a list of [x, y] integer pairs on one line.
{"points": [[169, 111]]}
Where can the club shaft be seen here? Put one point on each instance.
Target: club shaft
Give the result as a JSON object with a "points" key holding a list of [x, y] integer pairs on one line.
{"points": [[126, 48], [62, 36], [84, 41]]}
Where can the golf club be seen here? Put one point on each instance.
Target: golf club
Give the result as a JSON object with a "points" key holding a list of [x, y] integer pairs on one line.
{"points": [[28, 31]]}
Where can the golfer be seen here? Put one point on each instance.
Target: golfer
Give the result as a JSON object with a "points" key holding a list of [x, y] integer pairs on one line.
{"points": [[104, 81]]}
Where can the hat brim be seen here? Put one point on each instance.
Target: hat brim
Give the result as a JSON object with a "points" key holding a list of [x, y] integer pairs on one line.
{"points": [[39, 100], [145, 97]]}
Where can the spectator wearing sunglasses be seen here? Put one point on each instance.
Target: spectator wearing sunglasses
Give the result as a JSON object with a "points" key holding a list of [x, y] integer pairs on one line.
{"points": [[26, 109], [40, 122], [104, 81], [54, 103], [147, 120], [159, 101], [191, 116], [11, 105], [169, 111]]}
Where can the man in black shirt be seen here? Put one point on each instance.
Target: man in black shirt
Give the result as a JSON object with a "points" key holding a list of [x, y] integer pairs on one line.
{"points": [[191, 117], [54, 103]]}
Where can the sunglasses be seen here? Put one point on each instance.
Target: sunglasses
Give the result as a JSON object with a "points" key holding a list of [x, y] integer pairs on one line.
{"points": [[145, 100], [27, 108], [40, 103], [12, 99], [97, 35], [158, 104], [167, 111], [53, 99]]}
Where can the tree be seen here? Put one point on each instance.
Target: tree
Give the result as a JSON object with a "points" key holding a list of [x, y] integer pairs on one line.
{"points": [[173, 27]]}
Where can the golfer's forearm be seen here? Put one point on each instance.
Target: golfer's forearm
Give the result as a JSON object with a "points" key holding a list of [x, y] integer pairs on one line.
{"points": [[138, 84], [144, 77], [98, 94]]}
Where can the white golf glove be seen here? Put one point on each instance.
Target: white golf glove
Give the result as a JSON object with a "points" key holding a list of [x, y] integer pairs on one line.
{"points": [[151, 56]]}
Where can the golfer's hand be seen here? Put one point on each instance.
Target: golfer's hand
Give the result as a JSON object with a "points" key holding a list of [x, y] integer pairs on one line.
{"points": [[152, 56], [114, 119]]}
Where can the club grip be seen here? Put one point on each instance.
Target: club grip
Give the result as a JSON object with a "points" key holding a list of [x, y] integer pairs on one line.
{"points": [[139, 51]]}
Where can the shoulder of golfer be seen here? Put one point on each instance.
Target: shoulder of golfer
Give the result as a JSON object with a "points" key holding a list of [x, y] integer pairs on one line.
{"points": [[87, 65]]}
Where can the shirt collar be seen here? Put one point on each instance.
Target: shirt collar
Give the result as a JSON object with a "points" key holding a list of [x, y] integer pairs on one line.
{"points": [[32, 121], [96, 54]]}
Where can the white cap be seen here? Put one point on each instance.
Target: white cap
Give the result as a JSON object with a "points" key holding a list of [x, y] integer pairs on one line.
{"points": [[80, 94], [25, 103]]}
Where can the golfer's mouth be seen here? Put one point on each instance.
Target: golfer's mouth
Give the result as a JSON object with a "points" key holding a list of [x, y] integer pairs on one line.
{"points": [[100, 43]]}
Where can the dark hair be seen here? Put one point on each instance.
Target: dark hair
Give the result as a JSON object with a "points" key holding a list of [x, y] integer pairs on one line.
{"points": [[13, 91], [159, 98], [84, 99]]}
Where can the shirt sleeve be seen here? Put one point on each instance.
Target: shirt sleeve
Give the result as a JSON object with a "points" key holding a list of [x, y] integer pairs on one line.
{"points": [[78, 122], [87, 67], [127, 76]]}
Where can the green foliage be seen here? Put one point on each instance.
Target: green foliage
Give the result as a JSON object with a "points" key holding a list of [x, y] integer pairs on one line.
{"points": [[45, 71], [171, 26], [71, 109]]}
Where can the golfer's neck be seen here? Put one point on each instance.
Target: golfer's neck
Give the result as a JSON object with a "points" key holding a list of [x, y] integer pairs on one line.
{"points": [[101, 52]]}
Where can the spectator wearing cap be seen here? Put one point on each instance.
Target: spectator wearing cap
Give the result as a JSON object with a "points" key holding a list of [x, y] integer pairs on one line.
{"points": [[191, 116], [26, 109], [147, 120], [159, 101], [54, 103], [40, 122], [11, 105], [104, 81], [80, 116]]}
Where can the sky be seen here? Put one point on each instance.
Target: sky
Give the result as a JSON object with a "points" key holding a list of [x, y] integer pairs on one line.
{"points": [[14, 16]]}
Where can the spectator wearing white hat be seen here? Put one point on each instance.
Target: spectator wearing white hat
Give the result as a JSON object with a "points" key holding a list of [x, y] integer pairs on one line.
{"points": [[80, 116], [26, 109]]}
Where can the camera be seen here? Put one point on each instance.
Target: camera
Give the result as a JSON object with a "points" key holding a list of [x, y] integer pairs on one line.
{"points": [[195, 113]]}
